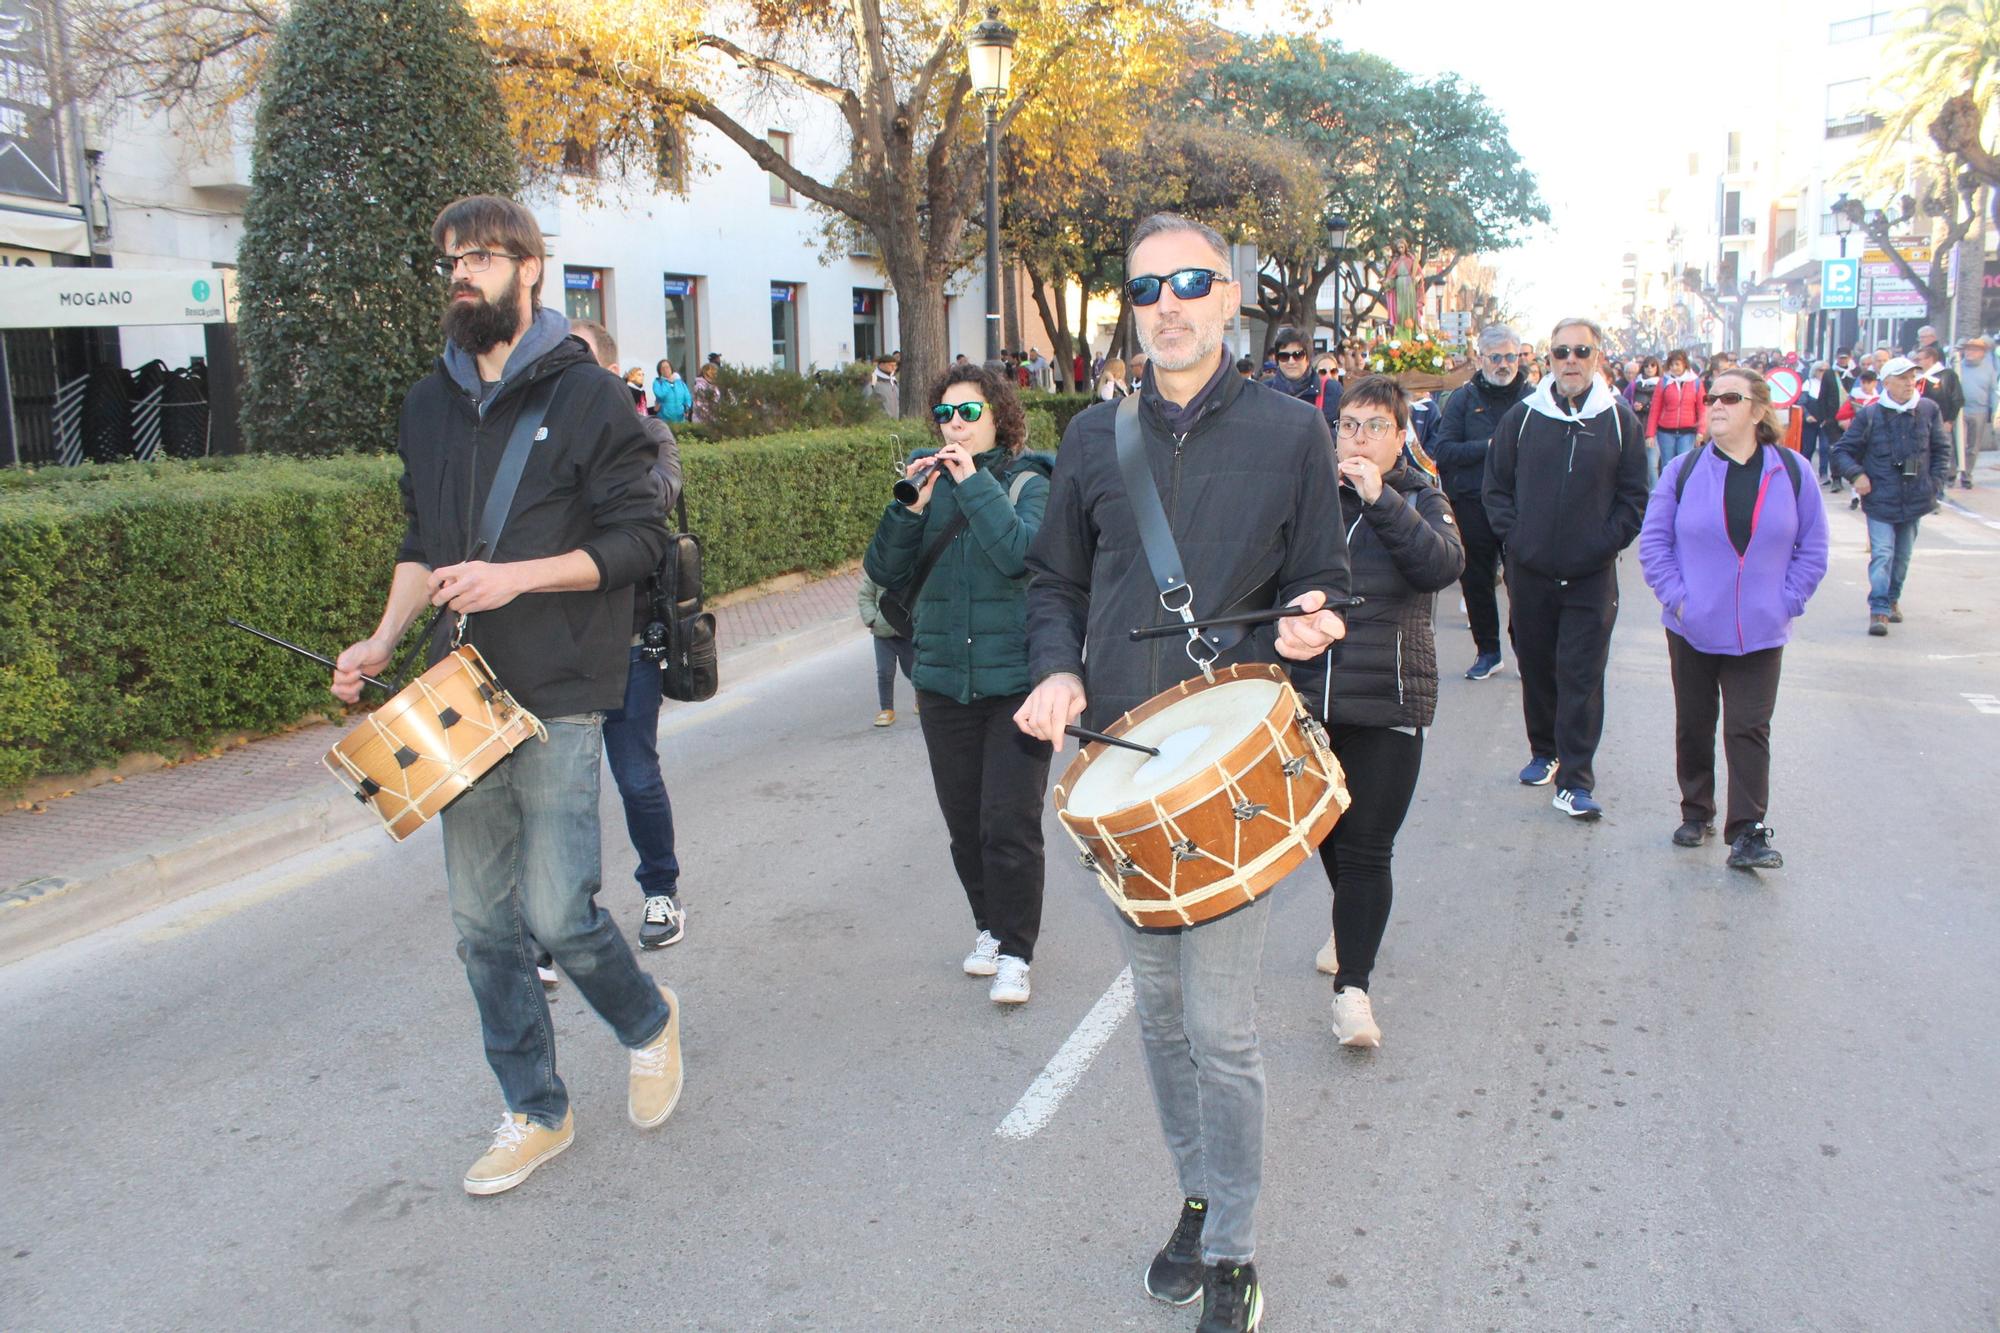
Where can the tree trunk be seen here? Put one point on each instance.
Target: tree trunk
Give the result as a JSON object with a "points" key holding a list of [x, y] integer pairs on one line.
{"points": [[1123, 343], [1056, 320], [1971, 276], [920, 324], [1083, 332], [1010, 306]]}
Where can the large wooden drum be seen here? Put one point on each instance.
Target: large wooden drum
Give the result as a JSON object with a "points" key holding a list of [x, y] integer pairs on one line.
{"points": [[423, 749], [1243, 790]]}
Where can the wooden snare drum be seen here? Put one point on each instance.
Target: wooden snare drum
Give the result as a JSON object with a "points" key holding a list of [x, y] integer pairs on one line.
{"points": [[423, 749], [1243, 790]]}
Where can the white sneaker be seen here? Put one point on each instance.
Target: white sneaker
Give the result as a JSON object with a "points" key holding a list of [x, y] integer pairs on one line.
{"points": [[1327, 959], [1010, 984], [1354, 1018], [984, 960]]}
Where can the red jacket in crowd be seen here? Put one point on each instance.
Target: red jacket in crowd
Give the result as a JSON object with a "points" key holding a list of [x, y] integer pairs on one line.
{"points": [[1677, 405]]}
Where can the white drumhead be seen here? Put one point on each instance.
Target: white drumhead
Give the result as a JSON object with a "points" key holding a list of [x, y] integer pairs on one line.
{"points": [[1191, 734]]}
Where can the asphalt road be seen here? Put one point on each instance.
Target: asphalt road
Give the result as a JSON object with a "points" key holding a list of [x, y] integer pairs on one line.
{"points": [[1621, 1087]]}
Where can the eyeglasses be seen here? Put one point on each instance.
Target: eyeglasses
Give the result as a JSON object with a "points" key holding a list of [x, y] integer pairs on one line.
{"points": [[1503, 358], [1292, 356], [1375, 428], [1729, 399], [1189, 284], [475, 261], [1563, 352], [942, 413]]}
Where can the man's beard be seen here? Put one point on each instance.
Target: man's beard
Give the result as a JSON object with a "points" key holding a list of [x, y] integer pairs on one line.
{"points": [[1206, 341], [1500, 379], [479, 325]]}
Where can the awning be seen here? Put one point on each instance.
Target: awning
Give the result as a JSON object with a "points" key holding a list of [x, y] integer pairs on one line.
{"points": [[43, 231]]}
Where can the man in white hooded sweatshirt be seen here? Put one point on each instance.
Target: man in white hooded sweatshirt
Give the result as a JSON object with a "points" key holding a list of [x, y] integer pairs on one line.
{"points": [[1565, 492]]}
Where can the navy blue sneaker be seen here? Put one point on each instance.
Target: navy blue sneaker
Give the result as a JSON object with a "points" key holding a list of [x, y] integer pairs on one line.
{"points": [[1578, 804], [1539, 772], [1483, 666]]}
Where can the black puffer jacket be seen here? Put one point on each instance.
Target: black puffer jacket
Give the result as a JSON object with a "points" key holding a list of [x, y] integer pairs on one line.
{"points": [[1247, 487], [1401, 550], [1465, 428]]}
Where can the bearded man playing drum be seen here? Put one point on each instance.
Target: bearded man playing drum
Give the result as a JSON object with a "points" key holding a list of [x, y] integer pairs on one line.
{"points": [[1247, 481], [550, 608]]}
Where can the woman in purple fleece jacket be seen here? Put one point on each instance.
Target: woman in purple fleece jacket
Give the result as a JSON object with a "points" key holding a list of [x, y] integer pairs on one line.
{"points": [[1733, 545]]}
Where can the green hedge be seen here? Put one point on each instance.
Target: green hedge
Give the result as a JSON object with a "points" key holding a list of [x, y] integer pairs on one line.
{"points": [[1060, 406], [115, 581]]}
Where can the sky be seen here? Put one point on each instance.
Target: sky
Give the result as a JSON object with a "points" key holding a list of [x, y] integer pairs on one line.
{"points": [[1600, 103]]}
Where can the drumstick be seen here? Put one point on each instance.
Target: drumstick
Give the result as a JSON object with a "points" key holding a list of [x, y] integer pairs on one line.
{"points": [[305, 652], [1239, 618], [1085, 733]]}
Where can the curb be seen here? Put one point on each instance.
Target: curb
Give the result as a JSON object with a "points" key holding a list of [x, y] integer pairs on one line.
{"points": [[54, 910]]}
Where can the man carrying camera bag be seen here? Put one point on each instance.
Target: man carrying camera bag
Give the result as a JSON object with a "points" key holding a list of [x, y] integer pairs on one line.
{"points": [[1897, 454], [631, 733]]}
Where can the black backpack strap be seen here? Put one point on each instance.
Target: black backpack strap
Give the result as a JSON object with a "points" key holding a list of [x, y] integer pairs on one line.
{"points": [[1791, 458], [928, 561], [1681, 477], [500, 496]]}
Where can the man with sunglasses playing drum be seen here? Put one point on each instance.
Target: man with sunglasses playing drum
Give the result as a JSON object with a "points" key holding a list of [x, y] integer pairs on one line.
{"points": [[1247, 481], [1566, 491], [550, 608]]}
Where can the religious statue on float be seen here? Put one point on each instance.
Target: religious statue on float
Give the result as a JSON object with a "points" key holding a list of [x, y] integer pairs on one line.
{"points": [[1401, 281]]}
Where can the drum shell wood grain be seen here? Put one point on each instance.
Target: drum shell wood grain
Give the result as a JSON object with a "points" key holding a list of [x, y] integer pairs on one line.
{"points": [[487, 728], [1244, 857]]}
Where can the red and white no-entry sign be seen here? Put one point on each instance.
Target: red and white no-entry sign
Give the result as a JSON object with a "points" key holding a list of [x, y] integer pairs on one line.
{"points": [[1785, 386]]}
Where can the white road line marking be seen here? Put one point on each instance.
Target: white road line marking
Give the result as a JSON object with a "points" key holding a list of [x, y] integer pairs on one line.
{"points": [[1954, 657], [1039, 1103], [1965, 512], [1985, 703]]}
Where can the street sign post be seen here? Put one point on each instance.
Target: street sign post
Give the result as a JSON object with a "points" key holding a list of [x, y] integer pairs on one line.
{"points": [[1786, 385], [1839, 284]]}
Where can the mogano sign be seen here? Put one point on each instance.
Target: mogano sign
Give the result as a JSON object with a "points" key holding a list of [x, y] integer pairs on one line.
{"points": [[54, 298]]}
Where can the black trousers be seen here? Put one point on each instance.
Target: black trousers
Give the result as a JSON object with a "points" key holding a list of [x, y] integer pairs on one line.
{"points": [[1381, 764], [1482, 560], [1562, 639], [991, 779], [1742, 691], [890, 654]]}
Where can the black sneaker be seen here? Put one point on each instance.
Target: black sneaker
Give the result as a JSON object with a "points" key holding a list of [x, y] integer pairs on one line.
{"points": [[1693, 833], [1231, 1300], [1176, 1272], [665, 921], [545, 968], [1752, 850]]}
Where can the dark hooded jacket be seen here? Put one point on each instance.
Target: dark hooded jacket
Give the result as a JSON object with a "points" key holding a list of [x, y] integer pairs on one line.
{"points": [[1566, 482], [1465, 428], [1250, 494], [1401, 550], [589, 486]]}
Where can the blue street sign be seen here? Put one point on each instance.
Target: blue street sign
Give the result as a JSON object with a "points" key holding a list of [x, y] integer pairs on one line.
{"points": [[1839, 284]]}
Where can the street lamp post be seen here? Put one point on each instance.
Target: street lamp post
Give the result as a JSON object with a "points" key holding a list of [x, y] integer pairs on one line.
{"points": [[989, 56], [1336, 240]]}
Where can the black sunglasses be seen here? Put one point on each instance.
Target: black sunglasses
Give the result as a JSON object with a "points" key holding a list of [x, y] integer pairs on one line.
{"points": [[1189, 284], [1730, 399], [966, 412], [1292, 356], [1563, 351]]}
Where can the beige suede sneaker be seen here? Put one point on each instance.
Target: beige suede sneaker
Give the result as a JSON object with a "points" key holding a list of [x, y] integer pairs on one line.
{"points": [[1327, 959], [519, 1146], [656, 1071]]}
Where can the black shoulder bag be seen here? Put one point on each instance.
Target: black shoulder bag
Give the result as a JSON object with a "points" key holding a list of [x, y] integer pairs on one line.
{"points": [[689, 671]]}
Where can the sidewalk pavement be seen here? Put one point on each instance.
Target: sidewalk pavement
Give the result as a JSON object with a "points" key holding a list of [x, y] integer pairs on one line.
{"points": [[81, 862]]}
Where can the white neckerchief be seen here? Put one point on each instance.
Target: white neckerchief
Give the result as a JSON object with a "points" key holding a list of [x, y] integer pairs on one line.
{"points": [[1890, 404], [1598, 400]]}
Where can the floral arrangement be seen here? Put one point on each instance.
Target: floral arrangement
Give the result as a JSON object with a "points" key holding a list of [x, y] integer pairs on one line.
{"points": [[1409, 350]]}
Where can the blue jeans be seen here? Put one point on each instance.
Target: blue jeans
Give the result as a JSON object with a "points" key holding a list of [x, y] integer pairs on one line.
{"points": [[521, 857], [1674, 443], [1196, 993], [632, 744], [1889, 548]]}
